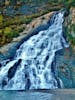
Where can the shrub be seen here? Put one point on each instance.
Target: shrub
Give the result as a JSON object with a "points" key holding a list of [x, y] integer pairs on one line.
{"points": [[9, 33], [1, 18]]}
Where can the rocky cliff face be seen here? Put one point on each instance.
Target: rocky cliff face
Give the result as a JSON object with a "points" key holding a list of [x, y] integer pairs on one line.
{"points": [[70, 27], [65, 59]]}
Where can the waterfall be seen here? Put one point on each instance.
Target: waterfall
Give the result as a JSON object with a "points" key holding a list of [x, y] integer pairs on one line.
{"points": [[33, 65]]}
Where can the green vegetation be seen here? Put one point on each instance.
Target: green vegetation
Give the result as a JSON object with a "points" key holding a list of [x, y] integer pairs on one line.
{"points": [[10, 27], [9, 33], [70, 32], [6, 35], [18, 2]]}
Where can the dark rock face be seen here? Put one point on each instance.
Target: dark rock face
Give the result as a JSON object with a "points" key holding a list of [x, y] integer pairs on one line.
{"points": [[28, 83], [66, 12], [4, 82], [65, 62], [0, 65]]}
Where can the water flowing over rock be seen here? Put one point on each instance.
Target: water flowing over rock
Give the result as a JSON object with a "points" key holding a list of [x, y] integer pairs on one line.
{"points": [[33, 66]]}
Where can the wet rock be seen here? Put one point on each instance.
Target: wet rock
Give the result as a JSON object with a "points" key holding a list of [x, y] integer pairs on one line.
{"points": [[0, 65], [4, 82], [28, 84], [12, 70]]}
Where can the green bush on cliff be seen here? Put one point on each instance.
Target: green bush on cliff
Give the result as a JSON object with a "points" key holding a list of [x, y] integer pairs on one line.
{"points": [[9, 33], [70, 32], [1, 18]]}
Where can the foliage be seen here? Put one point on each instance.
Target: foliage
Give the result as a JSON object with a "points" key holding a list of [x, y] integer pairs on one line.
{"points": [[69, 33], [11, 26], [9, 33], [1, 18]]}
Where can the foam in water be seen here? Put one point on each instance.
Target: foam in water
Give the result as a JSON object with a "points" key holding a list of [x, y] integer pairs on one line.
{"points": [[31, 68]]}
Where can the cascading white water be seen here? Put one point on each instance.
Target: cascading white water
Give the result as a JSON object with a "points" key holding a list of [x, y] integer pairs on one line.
{"points": [[31, 68]]}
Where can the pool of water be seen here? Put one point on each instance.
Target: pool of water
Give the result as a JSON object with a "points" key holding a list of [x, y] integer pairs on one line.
{"points": [[18, 95]]}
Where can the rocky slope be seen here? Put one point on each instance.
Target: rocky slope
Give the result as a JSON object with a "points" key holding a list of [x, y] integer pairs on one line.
{"points": [[8, 51]]}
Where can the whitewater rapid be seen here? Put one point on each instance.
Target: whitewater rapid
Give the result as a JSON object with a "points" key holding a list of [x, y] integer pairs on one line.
{"points": [[32, 67]]}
